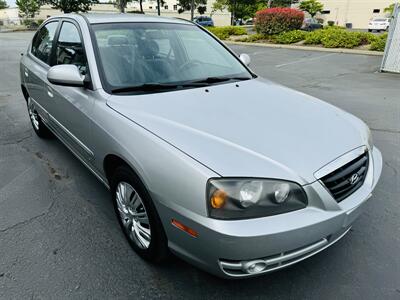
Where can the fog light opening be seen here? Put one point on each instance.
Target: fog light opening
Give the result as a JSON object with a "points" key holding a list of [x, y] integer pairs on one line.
{"points": [[254, 267]]}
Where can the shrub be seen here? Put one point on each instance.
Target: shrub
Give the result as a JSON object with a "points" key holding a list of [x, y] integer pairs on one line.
{"points": [[225, 32], [366, 37], [277, 20], [290, 37], [379, 44], [39, 22], [333, 27], [340, 39], [255, 37], [314, 37]]}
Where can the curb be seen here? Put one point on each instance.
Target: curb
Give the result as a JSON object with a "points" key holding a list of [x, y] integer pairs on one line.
{"points": [[308, 48]]}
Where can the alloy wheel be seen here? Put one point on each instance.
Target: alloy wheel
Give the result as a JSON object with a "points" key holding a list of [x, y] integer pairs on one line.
{"points": [[133, 215]]}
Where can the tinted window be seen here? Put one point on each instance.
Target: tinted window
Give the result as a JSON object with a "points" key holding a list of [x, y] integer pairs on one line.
{"points": [[69, 47], [43, 40]]}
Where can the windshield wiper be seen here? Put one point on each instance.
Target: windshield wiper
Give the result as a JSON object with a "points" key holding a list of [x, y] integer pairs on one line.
{"points": [[155, 87], [145, 87], [216, 79]]}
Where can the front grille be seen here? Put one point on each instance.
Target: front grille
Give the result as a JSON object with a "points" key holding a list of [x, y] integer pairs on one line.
{"points": [[347, 179]]}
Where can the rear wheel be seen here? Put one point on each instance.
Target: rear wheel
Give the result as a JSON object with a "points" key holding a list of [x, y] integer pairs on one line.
{"points": [[137, 216], [38, 126]]}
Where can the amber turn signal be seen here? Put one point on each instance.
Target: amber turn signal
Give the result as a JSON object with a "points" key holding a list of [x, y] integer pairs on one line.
{"points": [[184, 228], [218, 199]]}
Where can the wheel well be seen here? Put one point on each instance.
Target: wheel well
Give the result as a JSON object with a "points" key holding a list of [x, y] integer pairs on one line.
{"points": [[111, 163], [25, 92]]}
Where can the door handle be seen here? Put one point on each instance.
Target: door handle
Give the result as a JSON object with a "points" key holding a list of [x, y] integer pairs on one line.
{"points": [[50, 92], [26, 73]]}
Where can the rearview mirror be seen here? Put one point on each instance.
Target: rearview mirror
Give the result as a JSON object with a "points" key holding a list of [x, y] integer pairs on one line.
{"points": [[66, 75], [245, 58]]}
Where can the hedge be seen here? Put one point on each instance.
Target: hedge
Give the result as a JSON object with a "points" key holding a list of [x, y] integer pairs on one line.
{"points": [[277, 20], [328, 38], [290, 37], [379, 43], [225, 32]]}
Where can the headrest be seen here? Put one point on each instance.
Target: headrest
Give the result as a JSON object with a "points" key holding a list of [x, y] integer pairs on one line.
{"points": [[149, 48], [117, 40]]}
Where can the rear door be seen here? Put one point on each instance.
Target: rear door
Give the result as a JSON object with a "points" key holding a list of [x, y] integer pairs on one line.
{"points": [[71, 107]]}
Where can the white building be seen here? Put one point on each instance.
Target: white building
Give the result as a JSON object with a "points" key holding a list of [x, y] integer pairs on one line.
{"points": [[356, 12]]}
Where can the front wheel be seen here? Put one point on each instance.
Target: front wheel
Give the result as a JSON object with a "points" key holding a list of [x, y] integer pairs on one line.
{"points": [[137, 216]]}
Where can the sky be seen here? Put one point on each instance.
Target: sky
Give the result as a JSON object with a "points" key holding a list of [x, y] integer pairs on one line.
{"points": [[11, 3]]}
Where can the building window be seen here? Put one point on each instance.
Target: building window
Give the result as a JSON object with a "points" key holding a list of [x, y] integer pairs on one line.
{"points": [[166, 7], [150, 7], [175, 7], [376, 11], [325, 12]]}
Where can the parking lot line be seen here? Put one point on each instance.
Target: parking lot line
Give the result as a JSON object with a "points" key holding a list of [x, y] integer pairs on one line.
{"points": [[304, 60]]}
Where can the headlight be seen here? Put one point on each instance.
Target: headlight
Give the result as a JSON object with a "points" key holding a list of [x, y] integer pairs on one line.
{"points": [[231, 198]]}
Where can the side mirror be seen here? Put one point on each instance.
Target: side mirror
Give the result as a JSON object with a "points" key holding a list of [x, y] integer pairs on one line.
{"points": [[66, 75], [245, 58]]}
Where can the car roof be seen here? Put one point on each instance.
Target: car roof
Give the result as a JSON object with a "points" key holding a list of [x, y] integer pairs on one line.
{"points": [[97, 18]]}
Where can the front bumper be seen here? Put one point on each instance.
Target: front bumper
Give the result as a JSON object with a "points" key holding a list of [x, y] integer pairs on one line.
{"points": [[226, 248]]}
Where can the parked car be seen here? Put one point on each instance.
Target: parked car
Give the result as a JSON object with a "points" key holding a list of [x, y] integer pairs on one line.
{"points": [[310, 24], [159, 111], [249, 21], [204, 21], [379, 24]]}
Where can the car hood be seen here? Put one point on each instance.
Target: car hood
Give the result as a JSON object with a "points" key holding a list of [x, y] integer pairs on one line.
{"points": [[252, 128]]}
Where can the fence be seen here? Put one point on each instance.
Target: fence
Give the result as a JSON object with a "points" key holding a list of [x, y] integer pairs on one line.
{"points": [[391, 57]]}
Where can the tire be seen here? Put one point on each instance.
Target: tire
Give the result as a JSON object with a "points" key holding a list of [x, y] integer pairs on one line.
{"points": [[37, 124], [136, 228], [369, 30]]}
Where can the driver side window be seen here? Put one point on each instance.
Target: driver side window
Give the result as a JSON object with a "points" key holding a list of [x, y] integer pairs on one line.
{"points": [[69, 48]]}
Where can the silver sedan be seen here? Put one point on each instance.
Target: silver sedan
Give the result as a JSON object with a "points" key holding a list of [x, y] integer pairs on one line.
{"points": [[203, 158]]}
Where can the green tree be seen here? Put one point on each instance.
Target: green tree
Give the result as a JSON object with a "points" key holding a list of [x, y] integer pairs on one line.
{"points": [[389, 9], [186, 5], [242, 9], [28, 8], [121, 4], [279, 3], [3, 4], [68, 6], [311, 6]]}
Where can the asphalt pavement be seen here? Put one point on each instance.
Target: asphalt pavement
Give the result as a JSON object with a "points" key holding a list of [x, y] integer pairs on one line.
{"points": [[59, 237]]}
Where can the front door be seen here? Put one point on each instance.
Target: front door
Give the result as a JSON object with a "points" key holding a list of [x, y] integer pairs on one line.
{"points": [[71, 107]]}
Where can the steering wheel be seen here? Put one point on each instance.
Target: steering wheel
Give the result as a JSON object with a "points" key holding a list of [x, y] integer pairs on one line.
{"points": [[188, 64]]}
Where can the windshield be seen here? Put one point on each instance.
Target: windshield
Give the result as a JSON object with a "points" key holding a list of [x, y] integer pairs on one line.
{"points": [[162, 55]]}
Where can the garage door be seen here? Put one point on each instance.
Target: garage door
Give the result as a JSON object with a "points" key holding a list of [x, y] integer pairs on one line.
{"points": [[391, 58]]}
